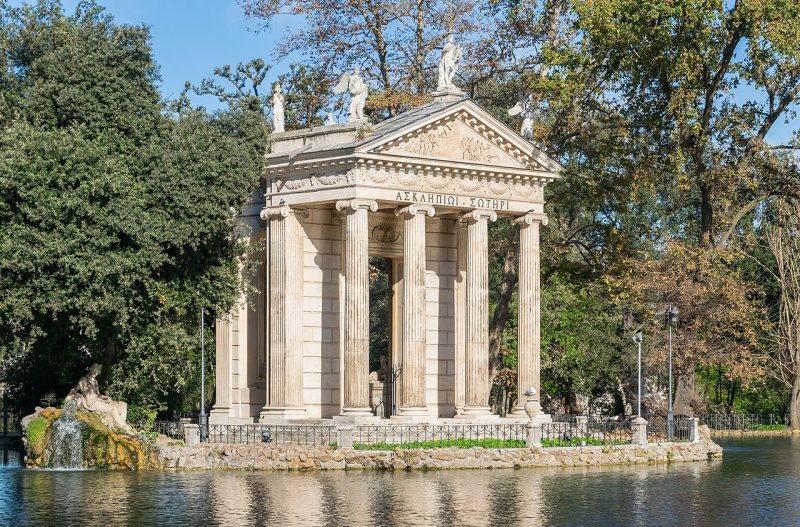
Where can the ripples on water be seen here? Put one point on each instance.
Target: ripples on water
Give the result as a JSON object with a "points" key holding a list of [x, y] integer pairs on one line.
{"points": [[758, 483]]}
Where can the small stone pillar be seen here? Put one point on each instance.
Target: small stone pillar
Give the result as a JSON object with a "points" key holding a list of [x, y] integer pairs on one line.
{"points": [[534, 438], [345, 433], [639, 431], [696, 430], [582, 425], [191, 434]]}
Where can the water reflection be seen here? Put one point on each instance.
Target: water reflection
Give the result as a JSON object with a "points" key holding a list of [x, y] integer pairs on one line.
{"points": [[758, 483]]}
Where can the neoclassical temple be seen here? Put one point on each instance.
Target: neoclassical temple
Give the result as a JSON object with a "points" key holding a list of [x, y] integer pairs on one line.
{"points": [[418, 189]]}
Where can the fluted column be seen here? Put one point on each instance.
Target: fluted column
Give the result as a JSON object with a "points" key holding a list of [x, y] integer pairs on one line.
{"points": [[477, 309], [285, 312], [460, 315], [412, 377], [529, 308], [356, 306], [222, 407]]}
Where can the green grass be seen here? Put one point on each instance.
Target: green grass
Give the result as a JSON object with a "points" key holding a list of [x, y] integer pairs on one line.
{"points": [[766, 428], [444, 443], [576, 441]]}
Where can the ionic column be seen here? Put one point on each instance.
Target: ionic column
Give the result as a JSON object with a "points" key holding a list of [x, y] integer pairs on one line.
{"points": [[285, 312], [529, 309], [412, 377], [356, 306], [460, 314], [476, 348], [222, 407]]}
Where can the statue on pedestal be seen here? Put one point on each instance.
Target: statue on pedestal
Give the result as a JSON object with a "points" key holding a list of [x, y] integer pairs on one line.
{"points": [[358, 94], [448, 65], [86, 395], [278, 115]]}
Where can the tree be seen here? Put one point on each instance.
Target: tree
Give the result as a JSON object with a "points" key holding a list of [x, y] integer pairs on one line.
{"points": [[784, 242], [116, 215]]}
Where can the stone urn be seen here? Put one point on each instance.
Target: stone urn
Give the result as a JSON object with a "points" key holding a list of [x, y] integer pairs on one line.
{"points": [[532, 406]]}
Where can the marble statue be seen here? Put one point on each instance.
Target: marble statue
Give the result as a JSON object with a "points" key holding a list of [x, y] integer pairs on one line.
{"points": [[86, 395], [278, 115], [526, 108], [358, 94], [448, 65], [330, 120]]}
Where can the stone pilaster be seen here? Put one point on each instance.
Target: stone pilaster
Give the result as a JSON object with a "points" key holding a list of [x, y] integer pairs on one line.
{"points": [[222, 407], [356, 306], [476, 348], [529, 308], [412, 378], [460, 315], [284, 313]]}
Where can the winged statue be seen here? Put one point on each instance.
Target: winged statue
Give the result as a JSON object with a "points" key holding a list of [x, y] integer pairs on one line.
{"points": [[358, 90], [526, 108]]}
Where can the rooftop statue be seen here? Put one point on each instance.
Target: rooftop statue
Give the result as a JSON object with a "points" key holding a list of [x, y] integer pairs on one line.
{"points": [[278, 115], [448, 65], [358, 92], [526, 108], [86, 394]]}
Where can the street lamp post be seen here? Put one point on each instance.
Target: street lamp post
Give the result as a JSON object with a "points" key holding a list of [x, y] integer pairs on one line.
{"points": [[637, 338], [670, 316]]}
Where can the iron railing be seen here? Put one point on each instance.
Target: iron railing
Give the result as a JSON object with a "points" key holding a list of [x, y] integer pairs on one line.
{"points": [[432, 435], [171, 429], [743, 421], [682, 429], [277, 434], [592, 432]]}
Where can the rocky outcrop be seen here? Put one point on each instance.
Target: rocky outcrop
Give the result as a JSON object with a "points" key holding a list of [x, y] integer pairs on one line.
{"points": [[295, 457], [95, 445]]}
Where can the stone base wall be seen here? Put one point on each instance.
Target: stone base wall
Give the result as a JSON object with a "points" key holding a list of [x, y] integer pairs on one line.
{"points": [[293, 457]]}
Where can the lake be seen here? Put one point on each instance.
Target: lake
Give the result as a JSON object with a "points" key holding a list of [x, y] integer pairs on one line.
{"points": [[756, 483]]}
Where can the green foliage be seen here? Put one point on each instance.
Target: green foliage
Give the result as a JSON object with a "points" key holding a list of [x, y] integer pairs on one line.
{"points": [[116, 213], [583, 350], [35, 433]]}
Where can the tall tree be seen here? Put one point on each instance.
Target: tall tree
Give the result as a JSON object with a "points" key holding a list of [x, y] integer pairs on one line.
{"points": [[115, 213]]}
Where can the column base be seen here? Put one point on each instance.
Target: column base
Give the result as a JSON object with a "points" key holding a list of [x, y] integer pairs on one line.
{"points": [[274, 414], [219, 416], [483, 413], [351, 419], [413, 414], [356, 412], [523, 418]]}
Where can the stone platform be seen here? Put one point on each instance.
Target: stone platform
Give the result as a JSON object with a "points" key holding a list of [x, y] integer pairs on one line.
{"points": [[293, 457]]}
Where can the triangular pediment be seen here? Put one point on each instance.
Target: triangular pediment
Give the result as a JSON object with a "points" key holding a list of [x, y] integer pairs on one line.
{"points": [[462, 133]]}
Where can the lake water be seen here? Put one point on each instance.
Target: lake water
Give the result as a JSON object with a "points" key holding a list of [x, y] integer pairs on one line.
{"points": [[756, 483]]}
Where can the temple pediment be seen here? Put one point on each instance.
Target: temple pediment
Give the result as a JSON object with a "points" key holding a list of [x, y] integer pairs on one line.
{"points": [[465, 134]]}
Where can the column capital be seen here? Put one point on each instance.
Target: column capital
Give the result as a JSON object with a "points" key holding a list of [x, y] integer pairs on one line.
{"points": [[477, 215], [283, 211], [356, 204], [532, 217], [413, 210]]}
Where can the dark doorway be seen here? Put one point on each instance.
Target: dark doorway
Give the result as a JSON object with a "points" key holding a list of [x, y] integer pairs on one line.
{"points": [[380, 314]]}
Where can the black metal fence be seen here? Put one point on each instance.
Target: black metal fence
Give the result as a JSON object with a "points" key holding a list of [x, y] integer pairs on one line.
{"points": [[591, 432], [9, 421], [433, 435], [171, 429], [278, 434], [744, 421]]}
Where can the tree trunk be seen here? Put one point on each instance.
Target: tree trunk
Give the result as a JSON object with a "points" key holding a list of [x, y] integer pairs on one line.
{"points": [[685, 395], [502, 310], [794, 404]]}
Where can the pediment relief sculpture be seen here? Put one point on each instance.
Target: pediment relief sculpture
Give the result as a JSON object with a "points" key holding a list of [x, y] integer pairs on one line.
{"points": [[457, 140]]}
